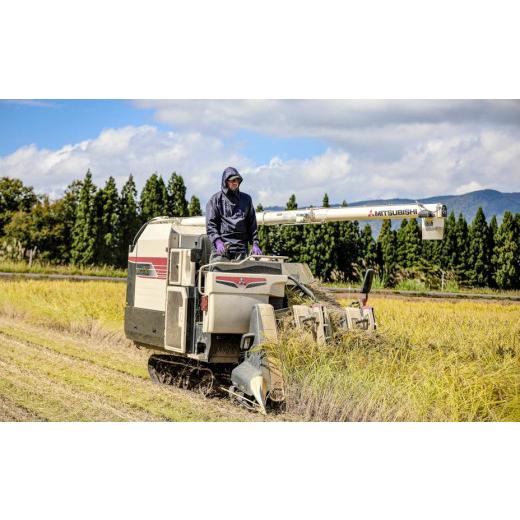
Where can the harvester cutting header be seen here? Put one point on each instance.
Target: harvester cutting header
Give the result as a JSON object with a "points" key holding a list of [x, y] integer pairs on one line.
{"points": [[208, 316]]}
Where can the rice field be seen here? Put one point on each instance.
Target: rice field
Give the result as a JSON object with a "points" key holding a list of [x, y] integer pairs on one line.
{"points": [[63, 357], [428, 361]]}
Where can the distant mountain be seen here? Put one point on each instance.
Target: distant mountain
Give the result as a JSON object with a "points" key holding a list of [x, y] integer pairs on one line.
{"points": [[493, 203]]}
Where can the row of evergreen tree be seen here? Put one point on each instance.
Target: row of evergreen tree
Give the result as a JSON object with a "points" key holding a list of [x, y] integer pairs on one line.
{"points": [[478, 254], [94, 226], [88, 225]]}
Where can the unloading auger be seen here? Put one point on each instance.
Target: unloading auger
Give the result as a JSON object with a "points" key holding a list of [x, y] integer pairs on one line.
{"points": [[207, 321]]}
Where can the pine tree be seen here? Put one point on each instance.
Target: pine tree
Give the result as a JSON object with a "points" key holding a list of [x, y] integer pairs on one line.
{"points": [[177, 204], [479, 251], [128, 219], [194, 209], [507, 253], [154, 199], [85, 229], [387, 246]]}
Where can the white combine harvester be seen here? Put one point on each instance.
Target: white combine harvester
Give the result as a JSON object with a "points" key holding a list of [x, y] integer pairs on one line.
{"points": [[208, 320]]}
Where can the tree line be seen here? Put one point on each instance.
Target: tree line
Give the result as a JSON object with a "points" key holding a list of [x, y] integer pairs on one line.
{"points": [[476, 254], [88, 225], [94, 226]]}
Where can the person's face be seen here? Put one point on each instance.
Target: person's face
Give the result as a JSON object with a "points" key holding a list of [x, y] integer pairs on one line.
{"points": [[233, 184]]}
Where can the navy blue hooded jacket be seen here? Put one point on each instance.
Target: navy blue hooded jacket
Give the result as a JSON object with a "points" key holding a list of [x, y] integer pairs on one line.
{"points": [[230, 216]]}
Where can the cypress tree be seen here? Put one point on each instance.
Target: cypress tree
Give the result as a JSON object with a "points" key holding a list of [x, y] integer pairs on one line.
{"points": [[493, 228], [507, 253], [367, 248], [409, 245], [284, 240], [387, 242], [401, 244], [128, 218], [323, 237], [263, 234], [177, 204], [194, 209], [462, 241], [154, 199], [479, 251], [449, 244], [347, 248], [108, 244], [308, 252], [85, 229], [66, 209]]}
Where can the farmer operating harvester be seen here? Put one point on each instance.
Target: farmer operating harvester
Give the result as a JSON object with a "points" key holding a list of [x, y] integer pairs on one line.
{"points": [[231, 220], [197, 298]]}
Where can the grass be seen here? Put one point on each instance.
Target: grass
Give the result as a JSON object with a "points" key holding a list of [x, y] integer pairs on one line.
{"points": [[420, 286], [428, 361], [7, 266]]}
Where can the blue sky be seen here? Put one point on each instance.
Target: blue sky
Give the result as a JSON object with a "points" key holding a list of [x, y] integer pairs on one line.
{"points": [[352, 150], [54, 123]]}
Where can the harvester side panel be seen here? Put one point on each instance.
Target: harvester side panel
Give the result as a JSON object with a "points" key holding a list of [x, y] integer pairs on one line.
{"points": [[176, 319], [145, 326], [181, 268]]}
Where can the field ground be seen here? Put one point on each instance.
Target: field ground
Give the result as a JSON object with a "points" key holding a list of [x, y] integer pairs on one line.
{"points": [[47, 374], [63, 357]]}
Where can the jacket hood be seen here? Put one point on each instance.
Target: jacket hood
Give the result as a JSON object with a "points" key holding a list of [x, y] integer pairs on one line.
{"points": [[226, 174]]}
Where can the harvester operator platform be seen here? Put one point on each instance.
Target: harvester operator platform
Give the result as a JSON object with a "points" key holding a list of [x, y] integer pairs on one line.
{"points": [[231, 220]]}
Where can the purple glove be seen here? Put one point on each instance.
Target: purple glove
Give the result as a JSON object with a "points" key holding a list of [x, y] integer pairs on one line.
{"points": [[256, 250], [219, 246]]}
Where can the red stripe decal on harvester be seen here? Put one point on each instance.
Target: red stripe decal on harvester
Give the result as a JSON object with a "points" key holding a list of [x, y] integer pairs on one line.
{"points": [[155, 267], [156, 260], [240, 281]]}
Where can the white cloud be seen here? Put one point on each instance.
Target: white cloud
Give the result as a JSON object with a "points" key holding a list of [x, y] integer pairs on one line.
{"points": [[330, 119], [309, 179], [119, 152], [396, 147], [433, 159]]}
